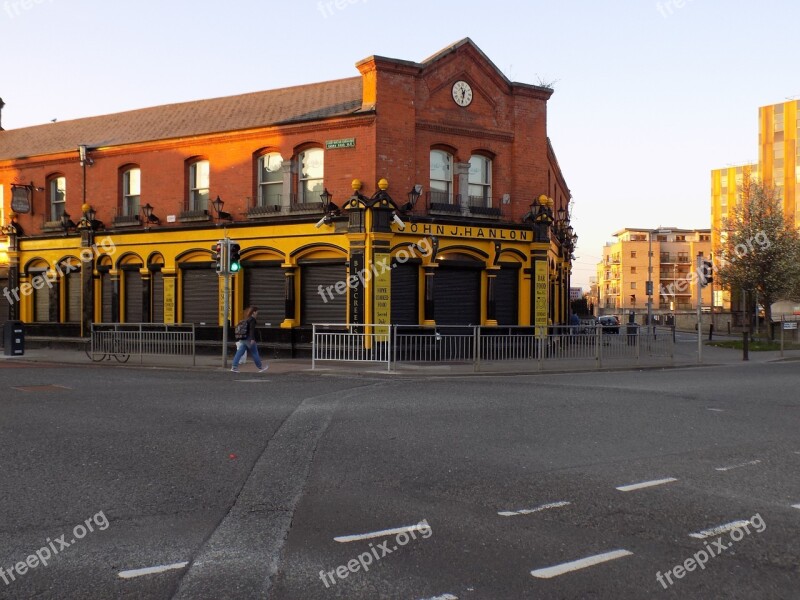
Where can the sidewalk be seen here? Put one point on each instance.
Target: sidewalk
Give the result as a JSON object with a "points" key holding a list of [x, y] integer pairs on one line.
{"points": [[685, 356]]}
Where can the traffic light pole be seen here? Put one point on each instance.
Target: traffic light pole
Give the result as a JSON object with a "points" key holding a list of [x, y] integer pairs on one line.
{"points": [[226, 274], [699, 286]]}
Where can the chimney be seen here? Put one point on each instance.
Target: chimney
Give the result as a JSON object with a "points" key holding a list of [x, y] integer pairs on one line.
{"points": [[2, 104]]}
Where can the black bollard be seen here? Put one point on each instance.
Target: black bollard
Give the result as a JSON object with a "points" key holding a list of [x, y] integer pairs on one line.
{"points": [[710, 332], [745, 346]]}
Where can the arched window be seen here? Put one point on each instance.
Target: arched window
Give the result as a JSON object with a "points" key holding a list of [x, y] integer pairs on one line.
{"points": [[441, 180], [480, 180], [131, 191], [198, 185], [270, 179], [57, 196], [310, 172]]}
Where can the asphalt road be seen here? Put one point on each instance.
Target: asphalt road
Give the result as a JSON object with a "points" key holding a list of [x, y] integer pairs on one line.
{"points": [[308, 486]]}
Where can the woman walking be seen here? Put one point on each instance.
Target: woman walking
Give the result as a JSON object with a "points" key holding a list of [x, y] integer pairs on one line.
{"points": [[246, 340]]}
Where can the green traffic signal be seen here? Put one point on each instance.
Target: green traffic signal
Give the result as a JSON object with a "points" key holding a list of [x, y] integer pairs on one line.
{"points": [[235, 262]]}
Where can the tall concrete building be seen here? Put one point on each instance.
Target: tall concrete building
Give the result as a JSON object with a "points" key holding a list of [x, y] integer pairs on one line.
{"points": [[622, 273]]}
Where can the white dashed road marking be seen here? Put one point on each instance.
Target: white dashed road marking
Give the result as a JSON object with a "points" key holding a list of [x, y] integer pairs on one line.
{"points": [[151, 570], [747, 464], [700, 535], [527, 511], [443, 597], [795, 505], [376, 534], [645, 484], [582, 563]]}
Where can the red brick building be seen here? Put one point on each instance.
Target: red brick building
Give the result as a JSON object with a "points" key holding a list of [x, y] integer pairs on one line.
{"points": [[488, 215]]}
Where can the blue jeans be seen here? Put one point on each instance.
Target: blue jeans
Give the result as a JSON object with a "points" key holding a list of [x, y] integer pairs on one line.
{"points": [[247, 346]]}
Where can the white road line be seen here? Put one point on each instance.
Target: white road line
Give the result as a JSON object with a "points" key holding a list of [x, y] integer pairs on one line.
{"points": [[527, 511], [151, 570], [700, 535], [795, 505], [376, 534], [747, 464], [645, 484], [582, 563], [443, 597], [715, 409]]}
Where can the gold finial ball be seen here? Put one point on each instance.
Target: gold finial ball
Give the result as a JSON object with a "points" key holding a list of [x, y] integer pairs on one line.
{"points": [[550, 202], [356, 184], [383, 185], [543, 200], [86, 207]]}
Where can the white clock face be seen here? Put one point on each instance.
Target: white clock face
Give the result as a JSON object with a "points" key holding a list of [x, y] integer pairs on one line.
{"points": [[462, 93]]}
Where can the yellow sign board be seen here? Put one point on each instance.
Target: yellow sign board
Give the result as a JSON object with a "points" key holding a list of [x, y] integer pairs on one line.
{"points": [[540, 294], [382, 295], [169, 299]]}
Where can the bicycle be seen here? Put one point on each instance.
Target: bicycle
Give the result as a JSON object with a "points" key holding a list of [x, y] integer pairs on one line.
{"points": [[117, 351]]}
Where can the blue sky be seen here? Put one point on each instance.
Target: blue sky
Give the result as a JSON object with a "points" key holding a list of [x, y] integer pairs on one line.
{"points": [[649, 96]]}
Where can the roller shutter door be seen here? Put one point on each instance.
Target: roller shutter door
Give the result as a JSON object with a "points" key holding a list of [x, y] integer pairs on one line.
{"points": [[106, 294], [41, 300], [506, 296], [73, 300], [157, 282], [201, 296], [456, 294], [313, 308], [265, 287], [133, 297], [405, 294]]}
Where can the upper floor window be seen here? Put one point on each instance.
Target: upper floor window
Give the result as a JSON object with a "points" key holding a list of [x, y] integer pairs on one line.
{"points": [[131, 192], [57, 192], [270, 179], [311, 170], [198, 185], [441, 184], [480, 180], [633, 253]]}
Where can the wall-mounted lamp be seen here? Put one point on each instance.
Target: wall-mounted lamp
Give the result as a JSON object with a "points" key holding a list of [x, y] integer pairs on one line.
{"points": [[413, 196], [149, 217], [66, 222], [221, 214]]}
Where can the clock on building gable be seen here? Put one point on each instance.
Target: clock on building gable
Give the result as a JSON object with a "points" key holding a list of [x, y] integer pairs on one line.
{"points": [[462, 93]]}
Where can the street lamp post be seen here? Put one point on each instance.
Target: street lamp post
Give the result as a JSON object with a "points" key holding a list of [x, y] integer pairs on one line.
{"points": [[649, 283]]}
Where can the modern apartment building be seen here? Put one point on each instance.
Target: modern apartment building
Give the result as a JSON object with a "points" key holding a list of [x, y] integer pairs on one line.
{"points": [[622, 273], [778, 166]]}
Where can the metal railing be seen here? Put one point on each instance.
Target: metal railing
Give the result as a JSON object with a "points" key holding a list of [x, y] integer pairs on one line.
{"points": [[489, 346], [142, 339], [351, 343]]}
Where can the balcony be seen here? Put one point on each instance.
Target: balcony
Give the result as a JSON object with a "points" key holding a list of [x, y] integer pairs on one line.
{"points": [[126, 221], [191, 216], [264, 211], [442, 203]]}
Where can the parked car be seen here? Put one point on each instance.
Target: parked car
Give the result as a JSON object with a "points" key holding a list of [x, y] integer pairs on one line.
{"points": [[610, 323]]}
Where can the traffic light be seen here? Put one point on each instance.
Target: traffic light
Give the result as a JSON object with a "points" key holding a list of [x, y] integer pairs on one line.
{"points": [[234, 261], [706, 272], [216, 256]]}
